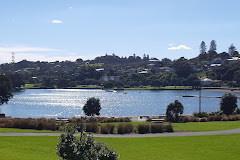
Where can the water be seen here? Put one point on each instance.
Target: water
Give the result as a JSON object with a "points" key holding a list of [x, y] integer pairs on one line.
{"points": [[68, 103]]}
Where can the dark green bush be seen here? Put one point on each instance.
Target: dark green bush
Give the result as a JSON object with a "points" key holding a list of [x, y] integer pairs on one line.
{"points": [[108, 128], [157, 128], [168, 128], [92, 127], [125, 128], [143, 128]]}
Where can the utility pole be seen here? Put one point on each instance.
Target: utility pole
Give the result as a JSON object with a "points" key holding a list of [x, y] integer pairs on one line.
{"points": [[200, 98]]}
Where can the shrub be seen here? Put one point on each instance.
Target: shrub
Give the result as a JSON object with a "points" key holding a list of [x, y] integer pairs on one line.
{"points": [[92, 127], [224, 118], [217, 117], [204, 119], [156, 128], [185, 119], [84, 148], [104, 130], [232, 118], [120, 129], [125, 128], [200, 114], [143, 128], [168, 128], [108, 128], [210, 118], [194, 119]]}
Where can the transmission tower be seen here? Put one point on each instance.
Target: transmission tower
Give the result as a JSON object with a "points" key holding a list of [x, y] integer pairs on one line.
{"points": [[13, 57]]}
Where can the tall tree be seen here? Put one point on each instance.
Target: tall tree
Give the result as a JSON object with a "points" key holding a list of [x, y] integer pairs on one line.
{"points": [[92, 107], [174, 111], [228, 103], [232, 49], [5, 89], [213, 46], [203, 47]]}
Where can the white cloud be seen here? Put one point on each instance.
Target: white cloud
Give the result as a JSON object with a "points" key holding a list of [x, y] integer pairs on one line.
{"points": [[56, 21], [179, 47], [170, 44], [70, 7]]}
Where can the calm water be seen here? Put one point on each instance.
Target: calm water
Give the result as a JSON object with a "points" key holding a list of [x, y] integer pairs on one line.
{"points": [[68, 102]]}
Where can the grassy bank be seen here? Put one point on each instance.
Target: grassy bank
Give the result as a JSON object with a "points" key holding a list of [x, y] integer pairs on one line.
{"points": [[219, 147]]}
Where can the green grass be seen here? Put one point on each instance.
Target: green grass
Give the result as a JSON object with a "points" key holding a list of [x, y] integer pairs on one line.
{"points": [[85, 86], [206, 126], [26, 130], [218, 147], [28, 148], [27, 86], [159, 88]]}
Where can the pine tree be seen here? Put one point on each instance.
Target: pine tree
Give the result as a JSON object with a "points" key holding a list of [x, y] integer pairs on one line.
{"points": [[232, 49], [213, 46], [203, 47]]}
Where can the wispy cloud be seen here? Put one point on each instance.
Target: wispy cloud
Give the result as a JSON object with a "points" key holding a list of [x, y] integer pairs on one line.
{"points": [[56, 21], [179, 47], [38, 54], [170, 44], [26, 49]]}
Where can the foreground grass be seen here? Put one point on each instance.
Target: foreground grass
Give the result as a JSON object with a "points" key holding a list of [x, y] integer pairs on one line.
{"points": [[218, 147], [206, 126]]}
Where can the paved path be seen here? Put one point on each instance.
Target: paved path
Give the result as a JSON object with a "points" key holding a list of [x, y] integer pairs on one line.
{"points": [[174, 134]]}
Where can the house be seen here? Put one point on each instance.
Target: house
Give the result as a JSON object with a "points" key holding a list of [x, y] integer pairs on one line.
{"points": [[233, 59], [206, 82], [110, 78]]}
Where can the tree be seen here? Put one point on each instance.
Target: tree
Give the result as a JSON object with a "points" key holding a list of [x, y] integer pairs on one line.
{"points": [[231, 50], [85, 148], [174, 110], [182, 67], [213, 46], [5, 89], [203, 47], [92, 107], [228, 103]]}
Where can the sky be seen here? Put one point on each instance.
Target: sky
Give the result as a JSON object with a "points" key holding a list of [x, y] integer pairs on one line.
{"points": [[50, 30]]}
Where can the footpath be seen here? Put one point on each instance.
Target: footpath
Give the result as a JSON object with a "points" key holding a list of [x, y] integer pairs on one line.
{"points": [[174, 134]]}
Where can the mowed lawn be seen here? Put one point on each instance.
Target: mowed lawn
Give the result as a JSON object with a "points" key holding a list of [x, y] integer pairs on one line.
{"points": [[206, 126], [220, 147]]}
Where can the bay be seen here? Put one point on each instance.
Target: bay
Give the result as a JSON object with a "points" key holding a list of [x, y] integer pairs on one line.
{"points": [[67, 103]]}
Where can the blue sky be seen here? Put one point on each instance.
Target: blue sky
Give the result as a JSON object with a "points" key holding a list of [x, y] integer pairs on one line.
{"points": [[49, 30]]}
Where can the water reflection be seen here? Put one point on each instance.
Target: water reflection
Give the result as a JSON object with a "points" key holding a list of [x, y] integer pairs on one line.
{"points": [[69, 102]]}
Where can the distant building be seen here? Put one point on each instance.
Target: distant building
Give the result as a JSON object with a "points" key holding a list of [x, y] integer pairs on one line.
{"points": [[206, 82], [110, 78]]}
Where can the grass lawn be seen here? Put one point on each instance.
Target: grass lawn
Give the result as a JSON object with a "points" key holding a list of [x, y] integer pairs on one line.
{"points": [[206, 126], [218, 147], [26, 130], [193, 126], [160, 88]]}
